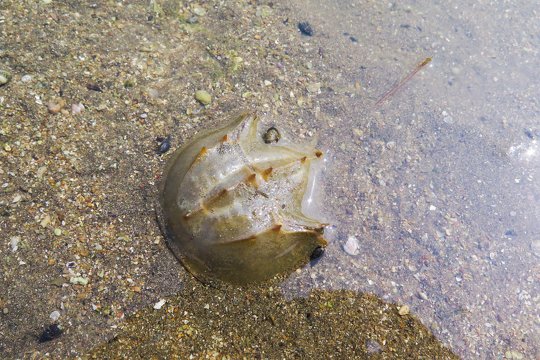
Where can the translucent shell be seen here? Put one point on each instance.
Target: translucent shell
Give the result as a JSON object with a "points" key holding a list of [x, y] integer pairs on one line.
{"points": [[232, 204]]}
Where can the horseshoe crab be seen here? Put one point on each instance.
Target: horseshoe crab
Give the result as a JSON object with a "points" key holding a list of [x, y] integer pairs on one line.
{"points": [[234, 205]]}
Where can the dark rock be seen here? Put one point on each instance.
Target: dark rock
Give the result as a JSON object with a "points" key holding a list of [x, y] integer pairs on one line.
{"points": [[305, 28]]}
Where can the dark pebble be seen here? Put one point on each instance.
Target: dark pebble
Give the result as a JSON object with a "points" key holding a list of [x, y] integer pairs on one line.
{"points": [[305, 28], [164, 146], [316, 255], [94, 87], [50, 333], [353, 39], [529, 133], [510, 232]]}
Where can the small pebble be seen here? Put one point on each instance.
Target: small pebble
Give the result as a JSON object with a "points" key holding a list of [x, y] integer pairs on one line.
{"points": [[203, 97], [56, 105], [159, 304], [352, 246], [404, 310], [305, 28], [50, 333], [313, 88], [78, 280], [55, 315], [77, 108], [41, 171], [263, 11], [57, 232], [26, 78], [199, 11], [514, 355], [316, 254], [14, 242], [164, 146], [46, 220], [373, 347], [94, 87], [5, 76]]}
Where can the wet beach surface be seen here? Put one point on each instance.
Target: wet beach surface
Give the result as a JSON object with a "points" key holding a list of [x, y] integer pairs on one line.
{"points": [[432, 195]]}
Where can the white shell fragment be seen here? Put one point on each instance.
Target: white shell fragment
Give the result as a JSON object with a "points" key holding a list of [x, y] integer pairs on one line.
{"points": [[352, 246], [159, 304]]}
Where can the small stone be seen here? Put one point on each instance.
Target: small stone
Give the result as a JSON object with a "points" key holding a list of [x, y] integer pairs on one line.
{"points": [[78, 280], [352, 246], [203, 97], [199, 11], [41, 171], [57, 232], [50, 333], [56, 105], [404, 310], [5, 311], [77, 108], [159, 304], [314, 88], [59, 281], [164, 146], [14, 242], [46, 220], [358, 132], [263, 11], [432, 208], [305, 28], [267, 83], [17, 198], [373, 347], [512, 354], [7, 147], [55, 315], [5, 76], [26, 78]]}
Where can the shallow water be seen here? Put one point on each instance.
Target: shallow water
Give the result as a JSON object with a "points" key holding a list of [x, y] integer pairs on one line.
{"points": [[438, 186]]}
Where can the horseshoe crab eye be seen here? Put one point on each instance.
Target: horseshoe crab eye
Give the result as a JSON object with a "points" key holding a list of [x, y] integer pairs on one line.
{"points": [[271, 135]]}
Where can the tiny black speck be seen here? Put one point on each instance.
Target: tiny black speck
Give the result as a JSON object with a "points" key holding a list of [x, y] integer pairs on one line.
{"points": [[353, 39], [305, 28], [50, 333]]}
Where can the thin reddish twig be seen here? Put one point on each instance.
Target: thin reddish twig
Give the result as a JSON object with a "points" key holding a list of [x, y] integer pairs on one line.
{"points": [[399, 85]]}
